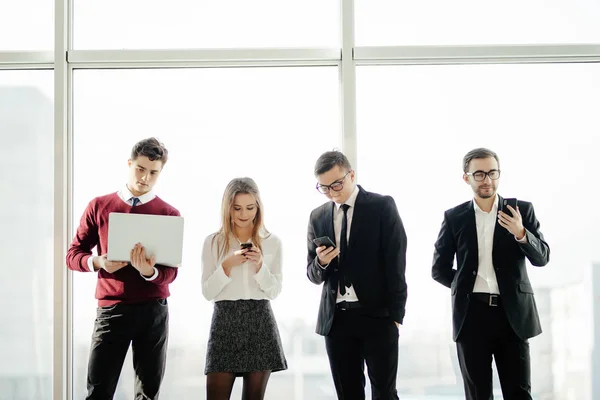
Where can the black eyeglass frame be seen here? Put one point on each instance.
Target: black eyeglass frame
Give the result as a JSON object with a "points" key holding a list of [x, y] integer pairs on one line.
{"points": [[324, 189], [485, 175]]}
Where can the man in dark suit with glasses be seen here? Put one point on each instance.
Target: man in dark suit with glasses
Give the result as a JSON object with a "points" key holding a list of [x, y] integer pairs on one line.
{"points": [[493, 306], [362, 272]]}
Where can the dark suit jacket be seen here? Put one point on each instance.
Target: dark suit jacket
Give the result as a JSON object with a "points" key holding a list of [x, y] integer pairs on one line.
{"points": [[458, 235], [375, 262]]}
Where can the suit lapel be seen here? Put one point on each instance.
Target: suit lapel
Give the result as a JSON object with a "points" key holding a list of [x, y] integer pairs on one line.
{"points": [[329, 221], [359, 218], [471, 229], [499, 231]]}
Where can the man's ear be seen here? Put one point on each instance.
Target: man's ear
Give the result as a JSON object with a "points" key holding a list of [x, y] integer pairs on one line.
{"points": [[466, 179]]}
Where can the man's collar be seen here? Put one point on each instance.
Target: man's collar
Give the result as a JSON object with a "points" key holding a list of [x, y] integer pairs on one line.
{"points": [[127, 195], [351, 200], [494, 207]]}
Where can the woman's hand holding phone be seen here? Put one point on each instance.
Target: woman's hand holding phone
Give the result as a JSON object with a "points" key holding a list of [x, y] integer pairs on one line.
{"points": [[253, 254], [237, 258]]}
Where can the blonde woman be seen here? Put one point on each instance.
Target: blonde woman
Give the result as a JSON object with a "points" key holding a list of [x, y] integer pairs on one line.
{"points": [[241, 272]]}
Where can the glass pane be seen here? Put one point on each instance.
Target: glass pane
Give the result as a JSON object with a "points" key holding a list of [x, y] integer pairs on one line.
{"points": [[26, 25], [26, 241], [416, 124], [439, 22], [267, 123], [144, 24]]}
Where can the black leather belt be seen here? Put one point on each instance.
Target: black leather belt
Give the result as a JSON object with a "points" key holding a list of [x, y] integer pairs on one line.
{"points": [[492, 300], [348, 305]]}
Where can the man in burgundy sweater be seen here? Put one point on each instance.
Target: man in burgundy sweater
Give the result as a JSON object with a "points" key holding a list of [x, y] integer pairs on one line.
{"points": [[132, 297]]}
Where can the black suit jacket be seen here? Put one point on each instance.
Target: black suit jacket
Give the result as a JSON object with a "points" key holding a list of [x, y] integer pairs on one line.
{"points": [[376, 259], [458, 236]]}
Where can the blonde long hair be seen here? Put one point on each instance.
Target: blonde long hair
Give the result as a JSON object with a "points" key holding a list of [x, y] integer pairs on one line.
{"points": [[235, 187]]}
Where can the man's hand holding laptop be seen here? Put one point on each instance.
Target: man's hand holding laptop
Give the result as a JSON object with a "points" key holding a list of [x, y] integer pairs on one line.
{"points": [[140, 262], [101, 262]]}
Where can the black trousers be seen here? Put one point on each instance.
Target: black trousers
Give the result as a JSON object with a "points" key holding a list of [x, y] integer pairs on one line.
{"points": [[356, 338], [146, 327], [486, 333]]}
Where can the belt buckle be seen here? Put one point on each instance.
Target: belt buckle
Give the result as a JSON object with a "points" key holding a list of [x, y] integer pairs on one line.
{"points": [[493, 300]]}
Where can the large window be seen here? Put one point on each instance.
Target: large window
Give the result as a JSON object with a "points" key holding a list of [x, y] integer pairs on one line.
{"points": [[179, 24], [416, 124], [472, 22], [267, 123], [26, 25], [26, 211], [282, 85]]}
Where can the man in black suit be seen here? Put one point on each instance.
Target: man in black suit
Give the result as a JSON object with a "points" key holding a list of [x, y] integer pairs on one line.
{"points": [[493, 307], [364, 289]]}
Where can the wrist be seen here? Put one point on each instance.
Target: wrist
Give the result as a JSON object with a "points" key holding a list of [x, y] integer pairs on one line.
{"points": [[148, 272], [96, 263], [227, 270]]}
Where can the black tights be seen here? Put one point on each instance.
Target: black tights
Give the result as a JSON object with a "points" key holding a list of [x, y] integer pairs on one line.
{"points": [[220, 384]]}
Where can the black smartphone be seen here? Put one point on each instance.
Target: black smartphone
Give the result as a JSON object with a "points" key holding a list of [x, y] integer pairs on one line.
{"points": [[512, 202], [324, 241], [246, 245]]}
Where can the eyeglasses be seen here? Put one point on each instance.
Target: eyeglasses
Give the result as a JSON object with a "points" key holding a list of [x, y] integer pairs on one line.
{"points": [[481, 175], [335, 186]]}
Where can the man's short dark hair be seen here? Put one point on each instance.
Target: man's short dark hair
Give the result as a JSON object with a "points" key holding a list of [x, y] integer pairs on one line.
{"points": [[480, 152], [330, 159], [151, 148]]}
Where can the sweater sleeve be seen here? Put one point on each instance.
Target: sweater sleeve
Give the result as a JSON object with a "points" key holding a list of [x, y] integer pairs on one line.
{"points": [[84, 241], [165, 275]]}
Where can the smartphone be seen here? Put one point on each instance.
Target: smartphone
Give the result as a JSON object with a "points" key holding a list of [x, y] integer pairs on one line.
{"points": [[324, 241], [246, 245], [512, 202]]}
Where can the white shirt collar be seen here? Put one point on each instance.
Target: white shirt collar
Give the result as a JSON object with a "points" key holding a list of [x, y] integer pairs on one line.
{"points": [[126, 195], [351, 200], [494, 207]]}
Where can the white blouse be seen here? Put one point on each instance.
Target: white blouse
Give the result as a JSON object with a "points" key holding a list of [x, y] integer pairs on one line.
{"points": [[243, 283]]}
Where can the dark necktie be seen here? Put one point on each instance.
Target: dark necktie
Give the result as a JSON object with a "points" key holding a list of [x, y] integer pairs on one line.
{"points": [[135, 201], [344, 281]]}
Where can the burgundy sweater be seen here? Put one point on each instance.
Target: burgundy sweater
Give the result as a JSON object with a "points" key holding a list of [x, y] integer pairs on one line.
{"points": [[125, 285]]}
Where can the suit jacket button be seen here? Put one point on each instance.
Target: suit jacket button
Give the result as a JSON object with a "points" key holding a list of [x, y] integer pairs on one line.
{"points": [[468, 295], [332, 291], [335, 270], [474, 273]]}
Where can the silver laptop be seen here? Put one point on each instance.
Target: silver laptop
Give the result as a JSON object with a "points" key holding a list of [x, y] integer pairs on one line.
{"points": [[161, 236]]}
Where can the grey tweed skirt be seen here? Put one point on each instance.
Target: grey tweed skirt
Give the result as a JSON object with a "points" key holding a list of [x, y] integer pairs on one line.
{"points": [[244, 338]]}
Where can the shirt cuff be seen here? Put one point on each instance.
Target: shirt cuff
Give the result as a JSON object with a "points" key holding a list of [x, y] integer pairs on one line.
{"points": [[221, 275], [262, 275], [319, 264], [153, 277], [90, 263], [523, 239]]}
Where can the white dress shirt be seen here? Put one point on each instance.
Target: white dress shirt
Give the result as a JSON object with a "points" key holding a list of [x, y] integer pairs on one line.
{"points": [[486, 282], [338, 217], [126, 195], [242, 283]]}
